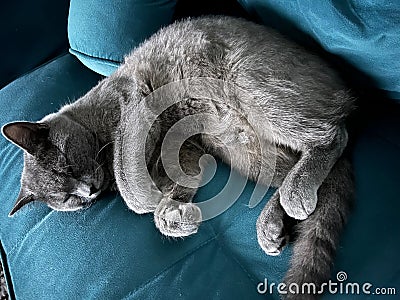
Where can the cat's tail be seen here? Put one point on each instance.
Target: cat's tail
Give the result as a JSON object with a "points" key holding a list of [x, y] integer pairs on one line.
{"points": [[318, 235]]}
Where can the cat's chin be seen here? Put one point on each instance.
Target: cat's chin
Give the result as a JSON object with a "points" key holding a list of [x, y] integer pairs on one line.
{"points": [[75, 203], [73, 208], [68, 208]]}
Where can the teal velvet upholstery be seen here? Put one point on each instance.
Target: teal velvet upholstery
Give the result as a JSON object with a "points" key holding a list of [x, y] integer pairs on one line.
{"points": [[365, 34], [101, 33], [27, 44], [108, 252]]}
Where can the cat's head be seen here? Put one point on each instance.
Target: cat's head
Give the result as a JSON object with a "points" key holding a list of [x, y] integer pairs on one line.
{"points": [[63, 165]]}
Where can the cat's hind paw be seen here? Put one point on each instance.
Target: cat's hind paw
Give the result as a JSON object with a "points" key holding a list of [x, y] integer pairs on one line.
{"points": [[271, 231], [177, 219], [297, 200], [271, 240]]}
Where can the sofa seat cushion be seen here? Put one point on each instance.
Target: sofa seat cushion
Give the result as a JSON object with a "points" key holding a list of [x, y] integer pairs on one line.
{"points": [[109, 252]]}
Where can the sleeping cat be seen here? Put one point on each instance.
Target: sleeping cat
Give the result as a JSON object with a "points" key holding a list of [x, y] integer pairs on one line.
{"points": [[75, 154]]}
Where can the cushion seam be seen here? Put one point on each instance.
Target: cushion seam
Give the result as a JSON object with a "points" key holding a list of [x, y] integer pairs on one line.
{"points": [[32, 229], [99, 58], [6, 272], [233, 258], [189, 253], [384, 138], [230, 255], [35, 69]]}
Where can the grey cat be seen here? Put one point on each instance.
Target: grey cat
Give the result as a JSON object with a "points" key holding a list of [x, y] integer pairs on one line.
{"points": [[75, 154]]}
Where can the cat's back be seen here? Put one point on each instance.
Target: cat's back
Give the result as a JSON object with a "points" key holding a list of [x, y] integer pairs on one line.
{"points": [[225, 47], [258, 59], [210, 38], [195, 47]]}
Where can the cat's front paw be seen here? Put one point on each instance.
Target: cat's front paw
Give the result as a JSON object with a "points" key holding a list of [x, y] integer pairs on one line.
{"points": [[297, 199], [177, 219]]}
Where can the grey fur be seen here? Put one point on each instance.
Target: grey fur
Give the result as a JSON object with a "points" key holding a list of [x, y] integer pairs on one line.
{"points": [[302, 98]]}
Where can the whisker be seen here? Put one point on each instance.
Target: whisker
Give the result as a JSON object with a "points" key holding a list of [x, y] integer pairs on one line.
{"points": [[95, 171], [102, 148], [68, 166]]}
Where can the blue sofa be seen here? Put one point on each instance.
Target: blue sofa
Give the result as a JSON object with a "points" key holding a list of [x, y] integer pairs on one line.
{"points": [[107, 251]]}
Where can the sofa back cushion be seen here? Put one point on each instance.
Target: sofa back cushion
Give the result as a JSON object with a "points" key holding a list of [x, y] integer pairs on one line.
{"points": [[101, 33], [364, 34]]}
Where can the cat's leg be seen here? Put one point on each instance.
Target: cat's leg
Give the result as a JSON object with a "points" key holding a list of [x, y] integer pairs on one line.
{"points": [[298, 193], [318, 235], [273, 224], [176, 215], [271, 232]]}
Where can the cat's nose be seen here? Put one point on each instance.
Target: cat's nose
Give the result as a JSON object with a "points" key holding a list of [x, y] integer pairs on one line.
{"points": [[86, 190], [93, 190]]}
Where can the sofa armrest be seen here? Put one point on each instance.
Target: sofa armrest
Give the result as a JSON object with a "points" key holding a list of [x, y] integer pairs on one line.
{"points": [[32, 32]]}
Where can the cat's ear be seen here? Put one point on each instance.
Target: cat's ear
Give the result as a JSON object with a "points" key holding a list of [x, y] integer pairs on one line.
{"points": [[23, 198], [27, 135]]}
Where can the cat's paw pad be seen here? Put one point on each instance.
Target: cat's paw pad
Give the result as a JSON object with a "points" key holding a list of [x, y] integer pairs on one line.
{"points": [[177, 219], [271, 236], [298, 201]]}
